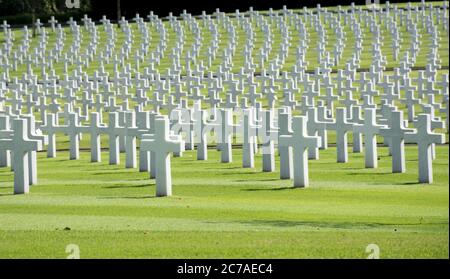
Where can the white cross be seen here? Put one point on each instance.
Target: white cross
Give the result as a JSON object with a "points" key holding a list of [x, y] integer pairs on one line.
{"points": [[269, 135], [5, 131], [249, 138], [95, 128], [202, 129], [226, 134], [395, 133], [53, 22], [370, 129], [299, 141], [341, 126], [113, 137], [315, 127], [20, 146], [51, 128], [73, 130], [424, 139], [161, 143]]}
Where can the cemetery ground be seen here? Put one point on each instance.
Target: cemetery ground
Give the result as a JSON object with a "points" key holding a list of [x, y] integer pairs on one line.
{"points": [[221, 210], [225, 211]]}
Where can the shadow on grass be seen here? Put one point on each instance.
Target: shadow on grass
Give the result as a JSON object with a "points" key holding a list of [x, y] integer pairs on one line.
{"points": [[104, 167], [128, 186], [350, 168], [369, 173], [6, 194], [224, 168], [128, 197], [329, 225], [238, 173], [270, 189], [109, 172], [256, 180], [411, 183]]}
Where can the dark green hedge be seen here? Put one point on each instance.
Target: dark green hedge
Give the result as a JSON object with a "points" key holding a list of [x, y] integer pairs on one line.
{"points": [[19, 12]]}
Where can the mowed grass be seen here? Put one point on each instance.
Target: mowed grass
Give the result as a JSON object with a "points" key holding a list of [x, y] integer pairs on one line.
{"points": [[225, 211], [222, 210]]}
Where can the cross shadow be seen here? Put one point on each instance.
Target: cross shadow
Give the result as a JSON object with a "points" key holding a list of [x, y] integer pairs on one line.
{"points": [[411, 183], [256, 180], [9, 194], [366, 173], [331, 224], [384, 156], [237, 173], [271, 189], [129, 197], [353, 168], [224, 168], [108, 172], [129, 186]]}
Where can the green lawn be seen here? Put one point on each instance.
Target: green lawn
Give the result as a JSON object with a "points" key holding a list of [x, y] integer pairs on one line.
{"points": [[224, 211]]}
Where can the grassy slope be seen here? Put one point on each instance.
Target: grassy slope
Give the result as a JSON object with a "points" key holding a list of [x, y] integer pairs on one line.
{"points": [[223, 210]]}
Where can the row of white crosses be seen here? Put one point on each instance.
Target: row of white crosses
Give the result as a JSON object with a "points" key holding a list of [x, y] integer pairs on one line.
{"points": [[101, 93], [21, 99], [83, 56], [122, 56], [19, 142], [293, 142]]}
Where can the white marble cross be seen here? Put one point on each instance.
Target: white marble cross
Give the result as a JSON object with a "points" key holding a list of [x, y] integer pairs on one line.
{"points": [[114, 131], [33, 134], [369, 129], [202, 129], [53, 22], [299, 141], [284, 126], [249, 139], [395, 134], [424, 139], [51, 128], [342, 127], [269, 135], [5, 132], [20, 146], [315, 128], [161, 144], [95, 129], [225, 143], [73, 130], [355, 118]]}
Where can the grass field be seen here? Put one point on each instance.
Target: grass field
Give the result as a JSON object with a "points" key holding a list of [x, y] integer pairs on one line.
{"points": [[224, 211]]}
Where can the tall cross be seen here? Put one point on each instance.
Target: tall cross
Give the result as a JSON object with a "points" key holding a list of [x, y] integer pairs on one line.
{"points": [[395, 134], [226, 135], [342, 127], [370, 129], [161, 144], [269, 135], [424, 139], [114, 131], [20, 146], [315, 127], [249, 138], [95, 129], [299, 141], [51, 128]]}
